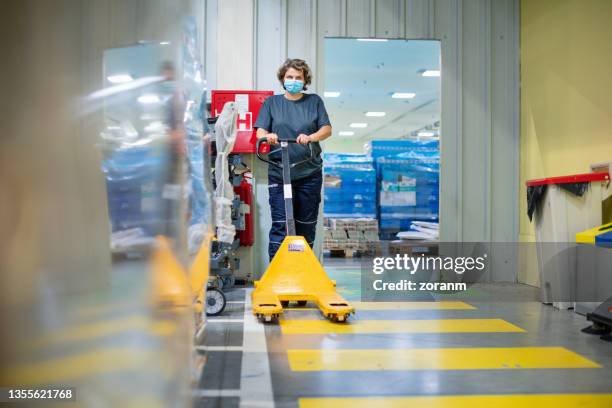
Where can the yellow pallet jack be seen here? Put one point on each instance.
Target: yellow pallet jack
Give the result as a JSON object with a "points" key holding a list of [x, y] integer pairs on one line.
{"points": [[294, 274]]}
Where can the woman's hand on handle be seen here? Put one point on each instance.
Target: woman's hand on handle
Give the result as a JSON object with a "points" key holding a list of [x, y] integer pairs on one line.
{"points": [[317, 136], [272, 138], [304, 139]]}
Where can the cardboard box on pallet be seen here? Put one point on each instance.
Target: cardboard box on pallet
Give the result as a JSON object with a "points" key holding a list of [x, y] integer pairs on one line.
{"points": [[356, 235]]}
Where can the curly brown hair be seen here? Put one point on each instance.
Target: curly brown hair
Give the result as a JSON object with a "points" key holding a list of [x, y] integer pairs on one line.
{"points": [[297, 64]]}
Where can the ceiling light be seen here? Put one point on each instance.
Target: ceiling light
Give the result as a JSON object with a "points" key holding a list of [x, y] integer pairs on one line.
{"points": [[372, 39], [403, 95], [376, 114], [331, 94], [119, 78], [431, 73], [426, 133], [346, 133], [148, 99], [358, 125]]}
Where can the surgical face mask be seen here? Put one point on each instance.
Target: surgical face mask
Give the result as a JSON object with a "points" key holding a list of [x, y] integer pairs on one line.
{"points": [[293, 86]]}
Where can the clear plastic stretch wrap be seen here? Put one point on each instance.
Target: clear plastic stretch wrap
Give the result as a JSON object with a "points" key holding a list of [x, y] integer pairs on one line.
{"points": [[350, 186], [200, 222], [408, 188], [389, 148], [225, 133]]}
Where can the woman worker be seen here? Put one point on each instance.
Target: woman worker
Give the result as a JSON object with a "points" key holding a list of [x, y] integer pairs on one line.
{"points": [[298, 116]]}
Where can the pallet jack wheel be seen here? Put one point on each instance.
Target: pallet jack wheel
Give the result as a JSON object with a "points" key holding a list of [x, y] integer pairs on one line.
{"points": [[215, 302], [268, 318], [338, 318], [302, 303]]}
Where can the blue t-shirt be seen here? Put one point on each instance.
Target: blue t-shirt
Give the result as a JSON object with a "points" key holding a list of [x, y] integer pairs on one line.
{"points": [[288, 119]]}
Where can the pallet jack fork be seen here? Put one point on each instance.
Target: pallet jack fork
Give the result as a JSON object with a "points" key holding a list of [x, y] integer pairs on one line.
{"points": [[294, 274]]}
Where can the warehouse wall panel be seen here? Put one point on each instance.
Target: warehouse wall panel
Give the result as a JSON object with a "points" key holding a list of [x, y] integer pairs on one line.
{"points": [[211, 43], [476, 103], [329, 24], [271, 45], [448, 28], [504, 132], [300, 34], [358, 21], [236, 42], [419, 18], [389, 17]]}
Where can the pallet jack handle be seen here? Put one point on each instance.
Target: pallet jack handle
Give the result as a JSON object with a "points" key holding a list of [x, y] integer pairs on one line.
{"points": [[264, 157], [285, 166]]}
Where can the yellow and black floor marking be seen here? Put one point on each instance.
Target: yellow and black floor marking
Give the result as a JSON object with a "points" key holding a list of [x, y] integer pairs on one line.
{"points": [[467, 358], [399, 326], [466, 401], [447, 360]]}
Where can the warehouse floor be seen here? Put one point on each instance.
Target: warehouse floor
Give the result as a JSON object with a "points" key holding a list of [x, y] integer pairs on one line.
{"points": [[108, 345], [435, 354]]}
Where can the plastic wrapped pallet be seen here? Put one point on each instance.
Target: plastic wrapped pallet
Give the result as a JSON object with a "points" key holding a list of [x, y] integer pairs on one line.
{"points": [[134, 189], [195, 124], [408, 189], [390, 148], [350, 186], [347, 158]]}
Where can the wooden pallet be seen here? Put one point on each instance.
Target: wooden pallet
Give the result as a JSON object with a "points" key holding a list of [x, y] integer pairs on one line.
{"points": [[344, 253]]}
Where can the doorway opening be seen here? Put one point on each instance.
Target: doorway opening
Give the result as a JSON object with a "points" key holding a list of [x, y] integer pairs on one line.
{"points": [[382, 164]]}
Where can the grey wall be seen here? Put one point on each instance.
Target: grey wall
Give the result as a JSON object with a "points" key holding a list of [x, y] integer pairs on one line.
{"points": [[479, 42]]}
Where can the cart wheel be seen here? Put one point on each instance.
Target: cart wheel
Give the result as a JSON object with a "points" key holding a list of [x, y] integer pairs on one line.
{"points": [[284, 303], [215, 302], [302, 303]]}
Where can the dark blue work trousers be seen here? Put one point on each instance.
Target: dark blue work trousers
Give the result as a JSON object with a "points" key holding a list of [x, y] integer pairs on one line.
{"points": [[306, 200]]}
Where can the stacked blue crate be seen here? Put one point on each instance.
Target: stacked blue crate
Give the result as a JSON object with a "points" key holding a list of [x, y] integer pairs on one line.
{"points": [[390, 148], [408, 182], [350, 186], [134, 183]]}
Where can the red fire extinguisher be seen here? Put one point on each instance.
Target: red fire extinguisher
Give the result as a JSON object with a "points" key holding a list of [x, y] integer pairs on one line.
{"points": [[245, 191]]}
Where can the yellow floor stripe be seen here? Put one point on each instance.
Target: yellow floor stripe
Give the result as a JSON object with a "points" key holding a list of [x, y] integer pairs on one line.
{"points": [[444, 305], [91, 331], [467, 401], [437, 359], [92, 311], [78, 366], [398, 326]]}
